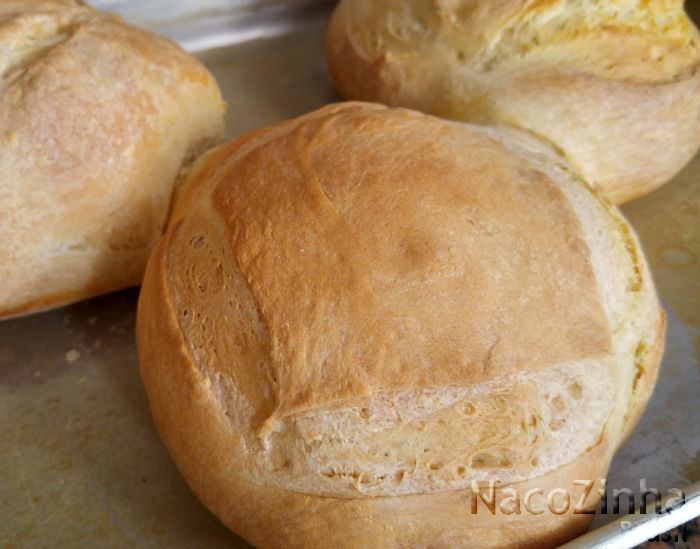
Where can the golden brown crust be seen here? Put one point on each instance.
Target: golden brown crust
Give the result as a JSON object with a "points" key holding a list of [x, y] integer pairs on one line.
{"points": [[198, 435], [97, 119], [286, 461], [625, 112], [376, 307]]}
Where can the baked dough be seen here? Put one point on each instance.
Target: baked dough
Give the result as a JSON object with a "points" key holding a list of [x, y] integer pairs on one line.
{"points": [[97, 119], [615, 85], [357, 316]]}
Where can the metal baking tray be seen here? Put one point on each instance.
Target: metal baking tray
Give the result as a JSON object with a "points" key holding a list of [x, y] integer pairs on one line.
{"points": [[81, 464]]}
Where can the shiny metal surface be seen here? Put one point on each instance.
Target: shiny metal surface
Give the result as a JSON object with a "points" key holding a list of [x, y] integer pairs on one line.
{"points": [[80, 462], [631, 530], [230, 28]]}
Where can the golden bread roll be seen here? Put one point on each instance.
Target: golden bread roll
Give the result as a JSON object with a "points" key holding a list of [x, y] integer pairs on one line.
{"points": [[358, 316], [97, 119], [615, 85]]}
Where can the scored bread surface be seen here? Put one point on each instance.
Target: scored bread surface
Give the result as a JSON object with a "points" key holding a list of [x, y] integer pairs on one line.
{"points": [[97, 119], [615, 85], [357, 315]]}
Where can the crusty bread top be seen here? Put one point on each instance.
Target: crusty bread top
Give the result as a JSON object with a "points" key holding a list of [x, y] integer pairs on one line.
{"points": [[644, 42], [79, 88], [348, 289], [614, 85], [382, 302], [96, 120]]}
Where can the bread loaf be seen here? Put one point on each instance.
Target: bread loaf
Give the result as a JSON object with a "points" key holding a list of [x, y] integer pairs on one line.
{"points": [[358, 317], [97, 119], [615, 85]]}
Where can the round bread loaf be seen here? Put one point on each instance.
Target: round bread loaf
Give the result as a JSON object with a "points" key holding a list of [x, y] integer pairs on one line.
{"points": [[359, 318], [97, 119], [615, 85]]}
